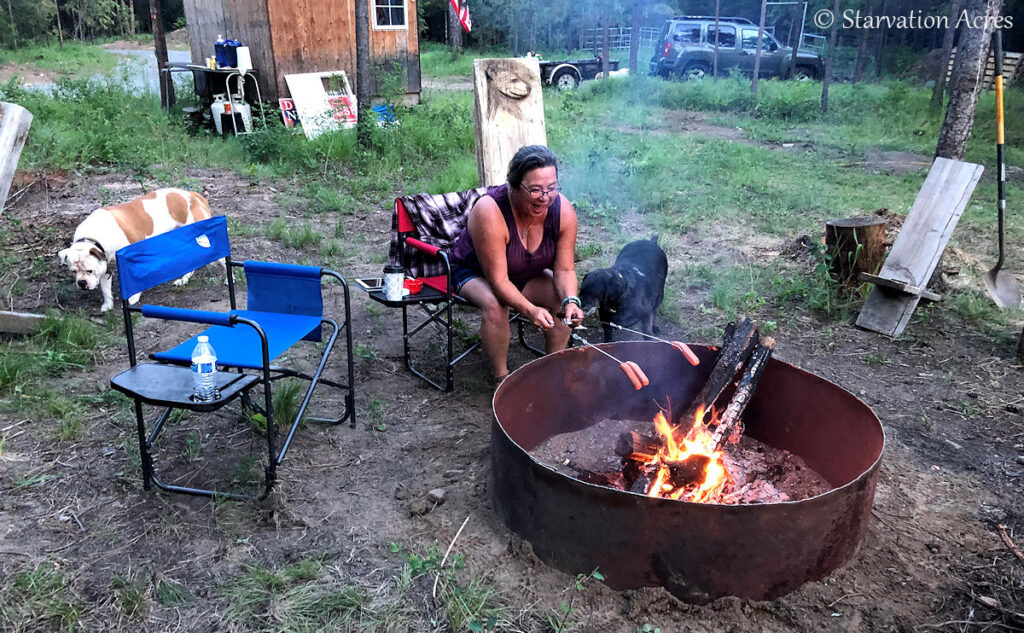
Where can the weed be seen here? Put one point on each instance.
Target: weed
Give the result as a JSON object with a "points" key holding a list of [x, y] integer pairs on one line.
{"points": [[877, 360], [170, 593], [193, 444], [298, 598], [130, 595], [38, 598], [295, 236], [365, 352], [375, 412], [562, 619], [331, 248]]}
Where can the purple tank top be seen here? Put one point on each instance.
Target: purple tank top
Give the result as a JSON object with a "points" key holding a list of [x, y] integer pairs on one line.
{"points": [[522, 264]]}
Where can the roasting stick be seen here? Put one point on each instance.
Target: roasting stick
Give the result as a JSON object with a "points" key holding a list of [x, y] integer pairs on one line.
{"points": [[628, 367], [679, 345]]}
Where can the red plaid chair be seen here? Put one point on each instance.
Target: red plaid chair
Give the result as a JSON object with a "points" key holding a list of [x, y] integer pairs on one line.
{"points": [[424, 228]]}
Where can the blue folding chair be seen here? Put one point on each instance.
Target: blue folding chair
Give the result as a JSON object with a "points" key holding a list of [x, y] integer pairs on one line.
{"points": [[284, 306]]}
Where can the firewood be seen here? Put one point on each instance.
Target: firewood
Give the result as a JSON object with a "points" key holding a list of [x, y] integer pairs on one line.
{"points": [[744, 391], [634, 443], [738, 343], [688, 471]]}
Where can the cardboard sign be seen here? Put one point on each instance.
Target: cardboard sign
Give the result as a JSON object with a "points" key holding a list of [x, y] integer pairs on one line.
{"points": [[319, 109], [289, 114]]}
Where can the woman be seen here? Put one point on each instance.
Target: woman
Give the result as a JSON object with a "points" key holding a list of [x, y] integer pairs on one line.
{"points": [[517, 251]]}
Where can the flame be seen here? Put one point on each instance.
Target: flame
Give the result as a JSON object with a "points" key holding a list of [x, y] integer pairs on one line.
{"points": [[696, 441]]}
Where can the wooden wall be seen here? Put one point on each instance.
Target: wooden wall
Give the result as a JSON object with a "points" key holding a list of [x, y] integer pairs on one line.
{"points": [[314, 36], [243, 20], [302, 36]]}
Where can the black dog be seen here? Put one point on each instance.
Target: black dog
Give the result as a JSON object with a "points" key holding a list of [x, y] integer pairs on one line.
{"points": [[630, 292]]}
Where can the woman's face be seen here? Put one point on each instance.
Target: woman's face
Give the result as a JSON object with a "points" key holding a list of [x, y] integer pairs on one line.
{"points": [[536, 190]]}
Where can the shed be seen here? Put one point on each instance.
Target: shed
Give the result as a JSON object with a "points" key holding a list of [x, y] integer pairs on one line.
{"points": [[305, 36]]}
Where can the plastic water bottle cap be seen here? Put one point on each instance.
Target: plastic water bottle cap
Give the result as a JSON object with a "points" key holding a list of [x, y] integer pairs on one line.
{"points": [[204, 339]]}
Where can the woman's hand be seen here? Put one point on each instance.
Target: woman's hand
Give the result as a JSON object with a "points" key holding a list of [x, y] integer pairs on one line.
{"points": [[542, 318], [573, 314]]}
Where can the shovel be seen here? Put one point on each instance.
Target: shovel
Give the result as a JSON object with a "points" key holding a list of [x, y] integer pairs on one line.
{"points": [[1001, 284]]}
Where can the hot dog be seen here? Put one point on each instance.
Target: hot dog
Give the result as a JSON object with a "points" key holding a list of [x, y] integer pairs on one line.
{"points": [[687, 352], [639, 372], [633, 378]]}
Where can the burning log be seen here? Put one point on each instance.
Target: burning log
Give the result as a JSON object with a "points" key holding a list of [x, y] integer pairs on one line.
{"points": [[744, 391], [644, 447], [737, 345]]}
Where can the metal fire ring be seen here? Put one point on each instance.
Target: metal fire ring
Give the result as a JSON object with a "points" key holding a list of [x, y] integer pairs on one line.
{"points": [[698, 552]]}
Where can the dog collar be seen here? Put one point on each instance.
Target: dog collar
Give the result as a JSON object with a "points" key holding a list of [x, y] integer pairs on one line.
{"points": [[95, 243]]}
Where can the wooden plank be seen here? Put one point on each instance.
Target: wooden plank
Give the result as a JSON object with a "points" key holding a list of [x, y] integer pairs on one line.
{"points": [[14, 123], [899, 285], [19, 322], [508, 113], [311, 36], [205, 21], [249, 22], [918, 247]]}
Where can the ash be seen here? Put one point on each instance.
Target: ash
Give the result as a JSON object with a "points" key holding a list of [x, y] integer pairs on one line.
{"points": [[759, 473]]}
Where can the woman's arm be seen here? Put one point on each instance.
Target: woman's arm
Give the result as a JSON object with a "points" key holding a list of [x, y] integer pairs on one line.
{"points": [[566, 283]]}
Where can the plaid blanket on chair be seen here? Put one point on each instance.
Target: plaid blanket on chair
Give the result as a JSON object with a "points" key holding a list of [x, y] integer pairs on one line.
{"points": [[439, 220]]}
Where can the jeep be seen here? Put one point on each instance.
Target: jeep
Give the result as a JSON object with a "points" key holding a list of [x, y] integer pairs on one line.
{"points": [[686, 50]]}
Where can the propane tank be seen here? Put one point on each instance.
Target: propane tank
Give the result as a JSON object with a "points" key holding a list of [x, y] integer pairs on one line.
{"points": [[220, 107]]}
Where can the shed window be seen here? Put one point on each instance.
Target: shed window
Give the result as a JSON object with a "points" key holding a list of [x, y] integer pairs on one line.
{"points": [[389, 14]]}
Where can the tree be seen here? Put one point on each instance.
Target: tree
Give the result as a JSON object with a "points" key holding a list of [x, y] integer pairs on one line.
{"points": [[363, 125], [634, 37], [454, 29], [827, 78], [947, 49], [967, 79], [757, 52], [160, 44]]}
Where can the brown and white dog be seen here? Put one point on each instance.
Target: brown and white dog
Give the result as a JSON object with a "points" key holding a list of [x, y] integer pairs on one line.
{"points": [[109, 229]]}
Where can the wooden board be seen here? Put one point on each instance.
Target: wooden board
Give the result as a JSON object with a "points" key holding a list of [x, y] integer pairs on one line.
{"points": [[1013, 68], [14, 123], [19, 322], [508, 113], [918, 247]]}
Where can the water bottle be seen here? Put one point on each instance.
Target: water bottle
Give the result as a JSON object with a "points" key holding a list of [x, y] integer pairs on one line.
{"points": [[204, 369]]}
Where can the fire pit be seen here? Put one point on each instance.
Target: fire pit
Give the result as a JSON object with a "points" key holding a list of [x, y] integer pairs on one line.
{"points": [[697, 551]]}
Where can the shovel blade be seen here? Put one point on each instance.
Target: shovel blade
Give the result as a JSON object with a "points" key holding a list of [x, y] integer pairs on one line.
{"points": [[1003, 288]]}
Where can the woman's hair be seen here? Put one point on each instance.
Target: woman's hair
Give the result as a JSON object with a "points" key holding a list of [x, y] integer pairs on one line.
{"points": [[528, 158]]}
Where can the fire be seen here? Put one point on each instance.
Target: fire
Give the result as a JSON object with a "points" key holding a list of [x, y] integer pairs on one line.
{"points": [[680, 445]]}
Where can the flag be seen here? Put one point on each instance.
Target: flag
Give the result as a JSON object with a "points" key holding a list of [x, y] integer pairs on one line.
{"points": [[462, 11]]}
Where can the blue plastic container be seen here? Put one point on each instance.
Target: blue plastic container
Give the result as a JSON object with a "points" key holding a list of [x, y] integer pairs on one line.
{"points": [[226, 52]]}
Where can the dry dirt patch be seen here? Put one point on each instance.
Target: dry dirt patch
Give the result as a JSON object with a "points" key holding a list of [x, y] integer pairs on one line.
{"points": [[949, 401]]}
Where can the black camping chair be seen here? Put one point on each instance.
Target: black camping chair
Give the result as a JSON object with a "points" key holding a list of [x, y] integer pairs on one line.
{"points": [[284, 307]]}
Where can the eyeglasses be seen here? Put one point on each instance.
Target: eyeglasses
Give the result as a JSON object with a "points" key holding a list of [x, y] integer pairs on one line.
{"points": [[538, 192]]}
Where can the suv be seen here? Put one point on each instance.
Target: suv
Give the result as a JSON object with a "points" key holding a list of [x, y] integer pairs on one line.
{"points": [[686, 50]]}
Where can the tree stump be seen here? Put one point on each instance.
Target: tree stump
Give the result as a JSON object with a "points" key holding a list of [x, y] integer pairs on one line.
{"points": [[855, 245], [508, 113]]}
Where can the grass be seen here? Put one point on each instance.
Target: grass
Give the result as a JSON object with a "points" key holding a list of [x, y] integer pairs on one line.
{"points": [[301, 597], [38, 597], [74, 59]]}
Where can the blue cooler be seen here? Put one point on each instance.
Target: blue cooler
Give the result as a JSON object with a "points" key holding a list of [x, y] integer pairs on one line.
{"points": [[226, 52]]}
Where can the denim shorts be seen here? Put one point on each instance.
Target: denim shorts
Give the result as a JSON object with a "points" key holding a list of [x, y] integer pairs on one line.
{"points": [[461, 274]]}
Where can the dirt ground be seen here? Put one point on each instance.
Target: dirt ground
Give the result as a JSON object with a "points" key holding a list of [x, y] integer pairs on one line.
{"points": [[933, 559]]}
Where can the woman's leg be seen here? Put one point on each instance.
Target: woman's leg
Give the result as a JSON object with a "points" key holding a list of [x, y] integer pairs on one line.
{"points": [[541, 291], [494, 330]]}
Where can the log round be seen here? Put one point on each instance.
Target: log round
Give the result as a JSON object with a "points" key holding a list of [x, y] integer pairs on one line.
{"points": [[857, 245], [698, 552]]}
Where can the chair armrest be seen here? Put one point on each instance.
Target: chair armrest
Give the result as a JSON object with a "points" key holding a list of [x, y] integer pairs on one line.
{"points": [[423, 246], [192, 316]]}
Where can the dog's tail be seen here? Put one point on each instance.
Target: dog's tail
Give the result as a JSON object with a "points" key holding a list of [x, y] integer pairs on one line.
{"points": [[655, 238]]}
